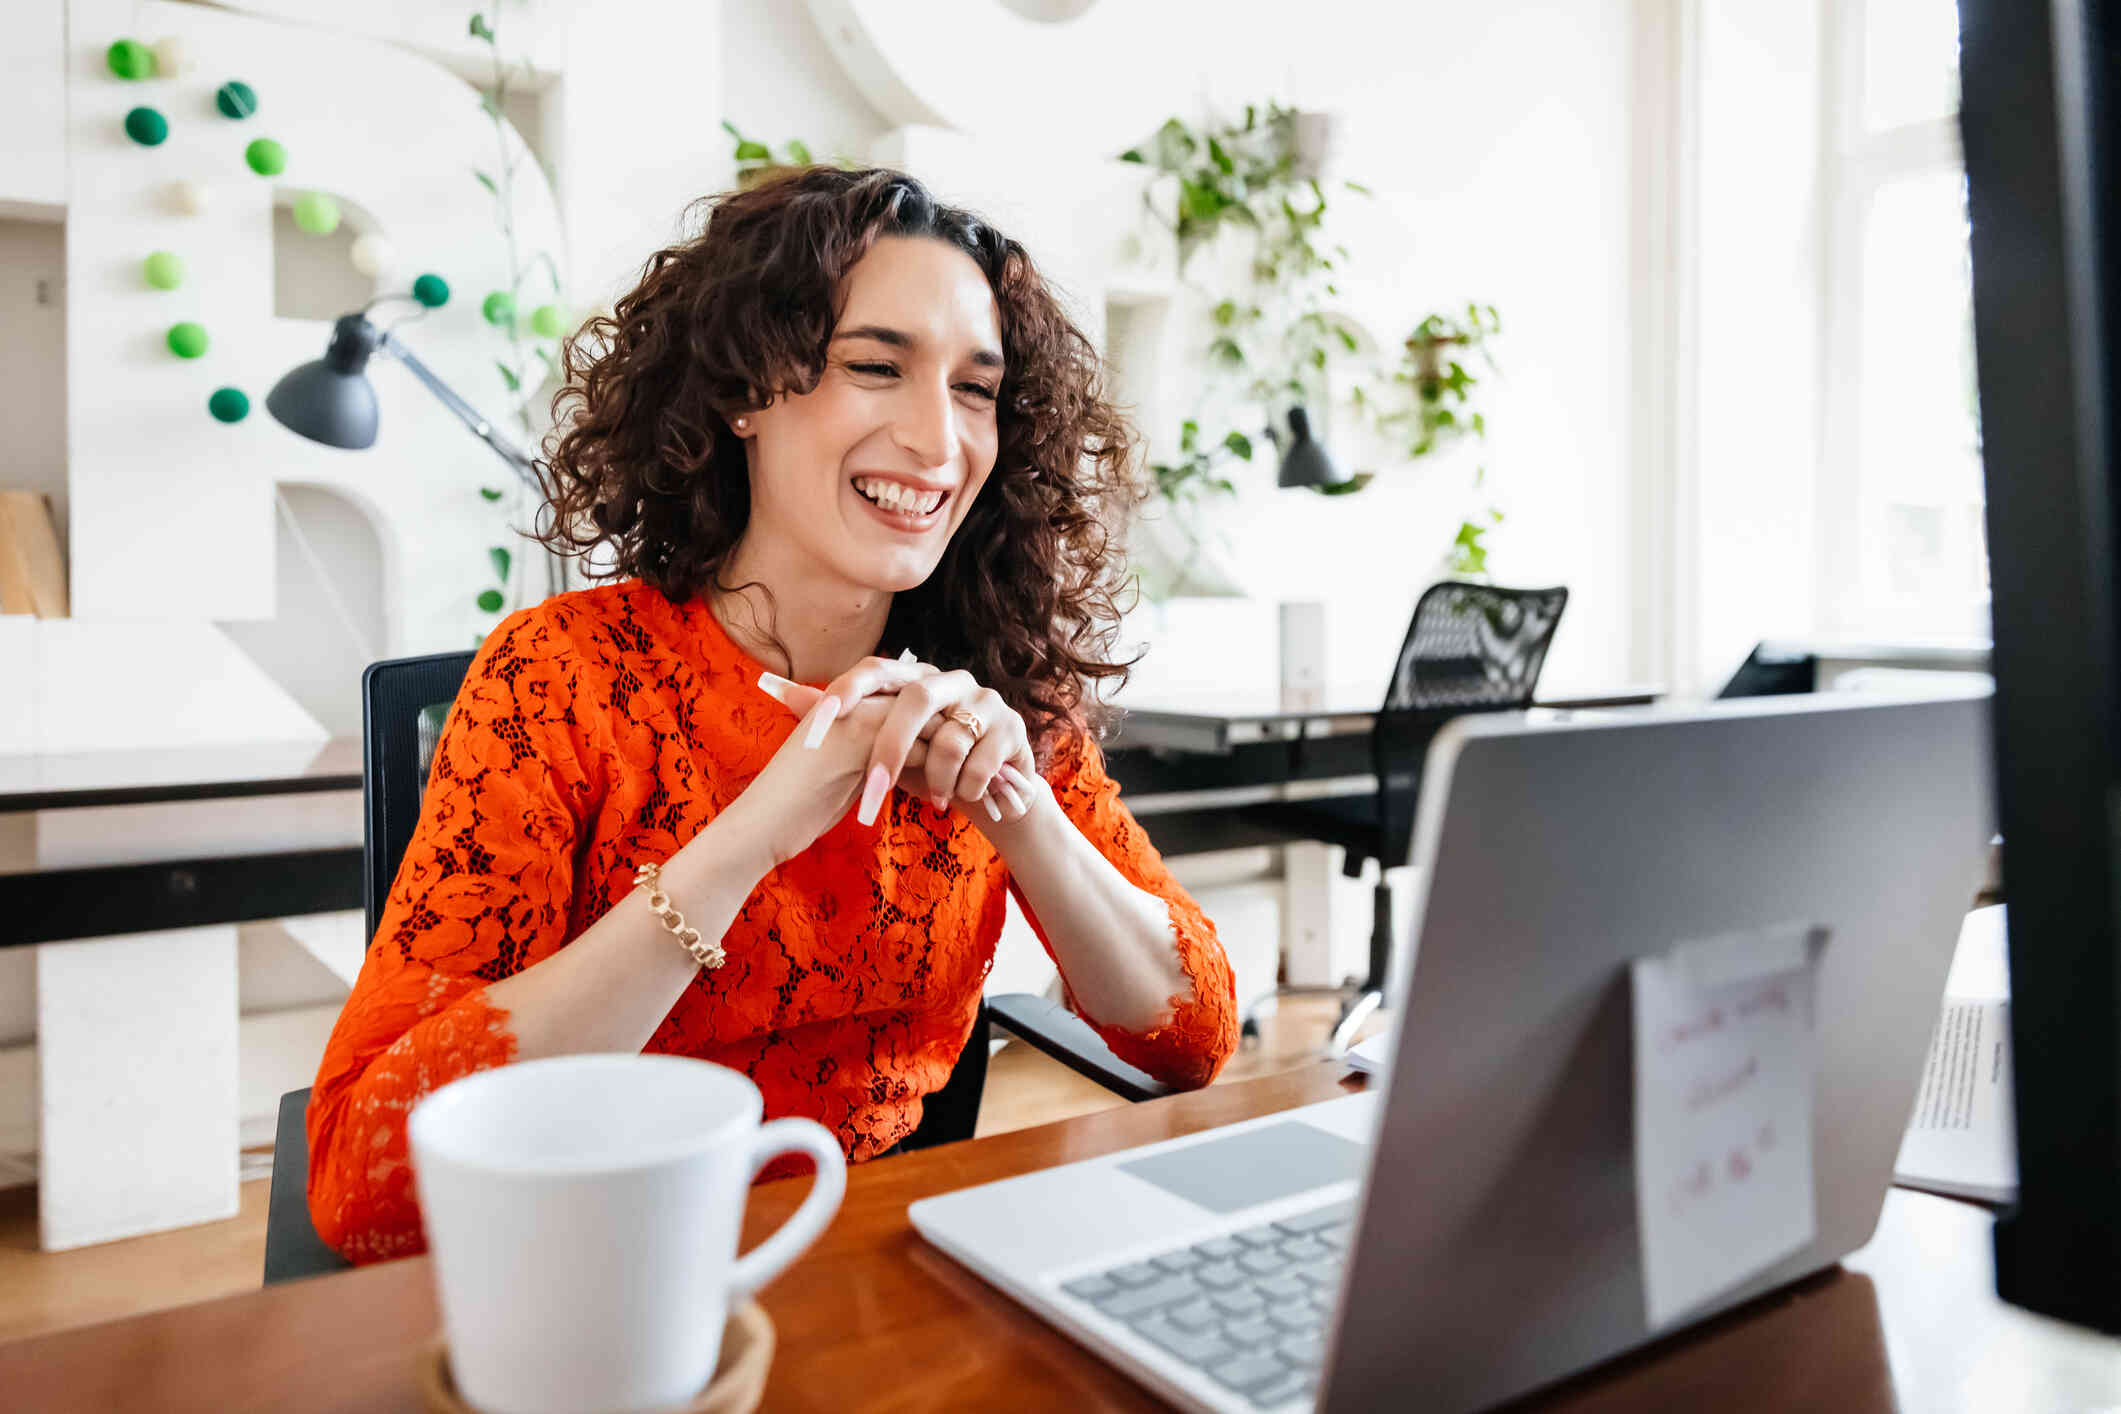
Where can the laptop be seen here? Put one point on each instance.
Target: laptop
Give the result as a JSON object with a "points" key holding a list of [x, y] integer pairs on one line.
{"points": [[1466, 1230]]}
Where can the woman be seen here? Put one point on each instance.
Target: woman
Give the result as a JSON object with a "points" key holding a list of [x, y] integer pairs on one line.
{"points": [[840, 442]]}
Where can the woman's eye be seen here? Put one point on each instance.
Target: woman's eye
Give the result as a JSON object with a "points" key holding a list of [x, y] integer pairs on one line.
{"points": [[978, 390], [881, 370]]}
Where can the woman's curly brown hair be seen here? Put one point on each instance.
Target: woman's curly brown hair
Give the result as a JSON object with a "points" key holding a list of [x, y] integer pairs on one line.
{"points": [[724, 322]]}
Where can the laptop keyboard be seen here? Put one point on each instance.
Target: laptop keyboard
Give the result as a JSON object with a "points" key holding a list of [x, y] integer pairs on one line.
{"points": [[1248, 1310]]}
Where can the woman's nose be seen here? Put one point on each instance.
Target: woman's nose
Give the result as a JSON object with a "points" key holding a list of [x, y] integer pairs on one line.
{"points": [[926, 423]]}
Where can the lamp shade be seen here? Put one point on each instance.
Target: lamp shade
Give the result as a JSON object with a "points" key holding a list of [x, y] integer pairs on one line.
{"points": [[331, 400], [1305, 463]]}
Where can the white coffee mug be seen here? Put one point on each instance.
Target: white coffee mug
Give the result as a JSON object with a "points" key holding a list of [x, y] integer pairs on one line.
{"points": [[583, 1213]]}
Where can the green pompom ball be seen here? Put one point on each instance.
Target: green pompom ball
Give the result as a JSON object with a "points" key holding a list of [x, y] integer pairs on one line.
{"points": [[228, 405], [431, 290], [547, 322], [499, 307], [146, 127], [130, 59], [187, 340], [163, 269], [490, 600], [236, 99], [316, 213], [266, 157]]}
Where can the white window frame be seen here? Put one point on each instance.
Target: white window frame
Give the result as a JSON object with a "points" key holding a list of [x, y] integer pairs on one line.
{"points": [[1857, 165]]}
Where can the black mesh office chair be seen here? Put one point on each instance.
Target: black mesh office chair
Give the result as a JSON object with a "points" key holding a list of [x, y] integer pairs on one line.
{"points": [[1469, 648], [404, 703]]}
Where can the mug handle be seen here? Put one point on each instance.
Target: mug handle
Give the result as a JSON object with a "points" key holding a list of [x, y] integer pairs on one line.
{"points": [[783, 1136]]}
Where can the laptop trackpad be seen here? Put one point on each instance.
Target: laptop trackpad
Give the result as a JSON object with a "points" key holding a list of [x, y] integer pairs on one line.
{"points": [[1255, 1166]]}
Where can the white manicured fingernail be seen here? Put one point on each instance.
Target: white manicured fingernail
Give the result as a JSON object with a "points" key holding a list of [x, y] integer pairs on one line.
{"points": [[775, 686], [826, 711], [878, 782], [905, 655], [1018, 799], [992, 808]]}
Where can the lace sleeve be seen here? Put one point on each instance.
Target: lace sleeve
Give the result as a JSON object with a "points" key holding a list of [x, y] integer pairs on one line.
{"points": [[484, 890], [1200, 1031]]}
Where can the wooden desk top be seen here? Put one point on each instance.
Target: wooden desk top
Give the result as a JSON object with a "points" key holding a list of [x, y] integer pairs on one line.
{"points": [[873, 1318]]}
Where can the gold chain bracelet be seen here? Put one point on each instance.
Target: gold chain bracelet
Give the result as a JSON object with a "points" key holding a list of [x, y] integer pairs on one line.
{"points": [[706, 954]]}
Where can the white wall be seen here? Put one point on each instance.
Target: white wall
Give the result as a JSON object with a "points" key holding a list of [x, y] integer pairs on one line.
{"points": [[1761, 270], [1497, 140], [635, 131]]}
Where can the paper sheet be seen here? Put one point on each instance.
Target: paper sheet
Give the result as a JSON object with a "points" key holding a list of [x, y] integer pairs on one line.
{"points": [[1723, 1111], [1962, 1138]]}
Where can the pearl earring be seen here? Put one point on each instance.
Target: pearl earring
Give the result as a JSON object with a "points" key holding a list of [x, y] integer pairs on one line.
{"points": [[742, 423]]}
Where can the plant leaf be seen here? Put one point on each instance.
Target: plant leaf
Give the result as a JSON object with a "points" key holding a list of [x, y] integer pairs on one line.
{"points": [[487, 182], [799, 154], [1239, 443], [749, 151], [489, 493], [1349, 487], [479, 28], [508, 376], [501, 561], [490, 601]]}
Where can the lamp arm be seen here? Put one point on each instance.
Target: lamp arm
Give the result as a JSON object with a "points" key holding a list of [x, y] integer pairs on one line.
{"points": [[470, 416]]}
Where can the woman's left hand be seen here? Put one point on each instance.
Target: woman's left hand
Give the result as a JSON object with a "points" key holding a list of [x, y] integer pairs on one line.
{"points": [[990, 762]]}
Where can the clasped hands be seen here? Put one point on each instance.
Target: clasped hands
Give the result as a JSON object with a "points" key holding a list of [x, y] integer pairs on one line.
{"points": [[918, 725]]}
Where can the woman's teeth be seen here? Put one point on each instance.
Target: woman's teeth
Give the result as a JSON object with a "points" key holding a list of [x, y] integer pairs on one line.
{"points": [[895, 496]]}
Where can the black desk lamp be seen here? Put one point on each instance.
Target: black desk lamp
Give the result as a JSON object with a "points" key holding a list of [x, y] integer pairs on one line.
{"points": [[1304, 462], [331, 400]]}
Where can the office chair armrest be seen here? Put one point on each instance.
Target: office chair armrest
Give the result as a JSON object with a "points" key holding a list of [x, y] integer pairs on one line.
{"points": [[292, 1247], [1067, 1038]]}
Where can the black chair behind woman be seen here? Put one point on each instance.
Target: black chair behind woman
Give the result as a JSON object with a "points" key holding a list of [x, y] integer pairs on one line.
{"points": [[1469, 648], [404, 704]]}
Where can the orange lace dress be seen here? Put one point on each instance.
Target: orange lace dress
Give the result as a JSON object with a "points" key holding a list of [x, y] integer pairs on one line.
{"points": [[606, 727]]}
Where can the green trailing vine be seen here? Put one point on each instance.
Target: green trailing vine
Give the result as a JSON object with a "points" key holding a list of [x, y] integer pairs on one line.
{"points": [[1277, 337], [529, 343]]}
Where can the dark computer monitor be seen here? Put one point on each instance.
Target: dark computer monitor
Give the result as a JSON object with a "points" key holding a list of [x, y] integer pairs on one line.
{"points": [[2039, 114]]}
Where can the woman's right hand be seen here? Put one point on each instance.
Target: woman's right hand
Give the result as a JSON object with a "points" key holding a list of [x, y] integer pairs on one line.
{"points": [[805, 790]]}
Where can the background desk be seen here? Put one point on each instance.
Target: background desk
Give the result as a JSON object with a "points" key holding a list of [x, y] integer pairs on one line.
{"points": [[133, 868], [1189, 763], [170, 882], [873, 1318]]}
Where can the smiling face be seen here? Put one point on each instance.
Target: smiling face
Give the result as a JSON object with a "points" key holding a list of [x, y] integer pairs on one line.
{"points": [[866, 477]]}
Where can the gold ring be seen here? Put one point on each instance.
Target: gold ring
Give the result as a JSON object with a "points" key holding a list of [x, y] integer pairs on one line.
{"points": [[963, 717]]}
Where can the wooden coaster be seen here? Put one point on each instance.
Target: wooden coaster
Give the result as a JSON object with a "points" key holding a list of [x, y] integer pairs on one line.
{"points": [[739, 1376]]}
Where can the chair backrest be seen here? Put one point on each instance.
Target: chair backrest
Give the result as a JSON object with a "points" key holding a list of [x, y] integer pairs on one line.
{"points": [[1474, 647], [404, 702]]}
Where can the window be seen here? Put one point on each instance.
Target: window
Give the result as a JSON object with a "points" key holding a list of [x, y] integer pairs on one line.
{"points": [[1901, 533]]}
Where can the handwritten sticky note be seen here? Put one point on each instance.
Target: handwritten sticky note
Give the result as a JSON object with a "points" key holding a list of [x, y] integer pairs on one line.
{"points": [[1723, 1111]]}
